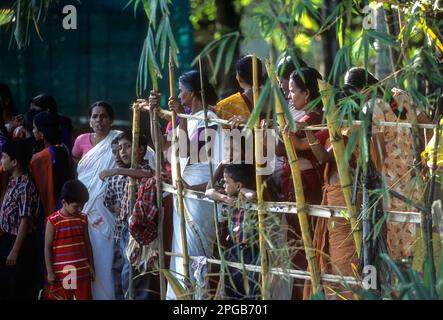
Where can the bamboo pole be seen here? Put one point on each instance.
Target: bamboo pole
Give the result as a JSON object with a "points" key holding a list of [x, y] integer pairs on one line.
{"points": [[302, 209], [178, 181], [258, 147], [211, 175], [133, 182], [342, 167], [155, 133]]}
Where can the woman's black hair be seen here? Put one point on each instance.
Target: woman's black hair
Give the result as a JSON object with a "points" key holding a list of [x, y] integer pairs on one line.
{"points": [[103, 104], [6, 95], [243, 68], [74, 191], [191, 81], [286, 66], [49, 125], [359, 78], [45, 102], [307, 79], [243, 173]]}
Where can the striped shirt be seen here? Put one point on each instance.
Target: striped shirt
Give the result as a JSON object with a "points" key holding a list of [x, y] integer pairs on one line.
{"points": [[69, 249]]}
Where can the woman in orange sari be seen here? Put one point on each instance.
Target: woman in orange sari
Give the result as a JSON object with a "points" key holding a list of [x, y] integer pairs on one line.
{"points": [[52, 166]]}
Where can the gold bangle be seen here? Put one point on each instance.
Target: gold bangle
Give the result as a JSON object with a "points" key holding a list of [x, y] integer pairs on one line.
{"points": [[316, 142]]}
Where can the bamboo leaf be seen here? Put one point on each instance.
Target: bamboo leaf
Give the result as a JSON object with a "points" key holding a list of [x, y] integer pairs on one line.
{"points": [[6, 16], [178, 289], [255, 115], [230, 53], [336, 65], [220, 53]]}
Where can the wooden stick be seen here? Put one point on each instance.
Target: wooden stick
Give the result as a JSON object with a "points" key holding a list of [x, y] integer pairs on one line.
{"points": [[155, 133], [178, 181], [342, 167], [258, 147], [133, 182], [299, 195]]}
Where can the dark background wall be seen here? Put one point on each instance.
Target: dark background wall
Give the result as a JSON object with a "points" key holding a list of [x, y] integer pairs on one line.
{"points": [[98, 61]]}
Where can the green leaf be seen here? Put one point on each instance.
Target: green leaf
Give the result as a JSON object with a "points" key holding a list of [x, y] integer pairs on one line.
{"points": [[255, 115], [220, 54], [230, 53], [178, 289]]}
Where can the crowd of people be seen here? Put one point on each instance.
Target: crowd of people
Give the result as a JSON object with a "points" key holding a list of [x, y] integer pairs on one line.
{"points": [[70, 230]]}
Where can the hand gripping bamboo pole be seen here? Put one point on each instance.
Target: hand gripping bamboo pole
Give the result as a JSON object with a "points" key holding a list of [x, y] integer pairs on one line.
{"points": [[178, 181], [133, 182], [343, 168], [258, 147], [302, 209]]}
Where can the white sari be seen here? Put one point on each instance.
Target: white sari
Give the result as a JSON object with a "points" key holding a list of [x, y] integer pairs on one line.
{"points": [[200, 227], [101, 220]]}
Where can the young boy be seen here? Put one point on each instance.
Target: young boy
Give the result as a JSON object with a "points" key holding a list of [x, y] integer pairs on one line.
{"points": [[241, 241], [121, 263], [19, 224], [68, 252]]}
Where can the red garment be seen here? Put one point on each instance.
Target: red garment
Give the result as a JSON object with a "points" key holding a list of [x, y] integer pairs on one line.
{"points": [[312, 179], [81, 292], [69, 251], [41, 170]]}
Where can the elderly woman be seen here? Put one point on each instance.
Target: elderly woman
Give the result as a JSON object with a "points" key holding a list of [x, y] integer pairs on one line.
{"points": [[94, 154]]}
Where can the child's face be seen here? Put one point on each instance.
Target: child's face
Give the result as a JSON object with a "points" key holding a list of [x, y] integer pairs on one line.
{"points": [[125, 151], [7, 163], [115, 154], [73, 208], [232, 188]]}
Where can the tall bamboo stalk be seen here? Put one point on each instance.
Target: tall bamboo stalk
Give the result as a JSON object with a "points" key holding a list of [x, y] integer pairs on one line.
{"points": [[299, 194], [258, 147], [133, 182], [211, 175], [178, 181], [155, 133], [342, 167]]}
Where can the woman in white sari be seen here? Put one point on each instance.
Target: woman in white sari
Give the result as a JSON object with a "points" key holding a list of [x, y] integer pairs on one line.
{"points": [[95, 154], [200, 227]]}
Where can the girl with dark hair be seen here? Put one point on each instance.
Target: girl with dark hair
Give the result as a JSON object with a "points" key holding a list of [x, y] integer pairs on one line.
{"points": [[52, 166], [200, 226]]}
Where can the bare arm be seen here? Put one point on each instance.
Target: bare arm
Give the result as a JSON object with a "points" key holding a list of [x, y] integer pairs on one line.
{"points": [[49, 238], [23, 230], [220, 197], [319, 151], [132, 173]]}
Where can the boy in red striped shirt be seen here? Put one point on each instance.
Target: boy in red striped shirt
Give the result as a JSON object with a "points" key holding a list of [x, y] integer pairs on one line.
{"points": [[68, 252]]}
